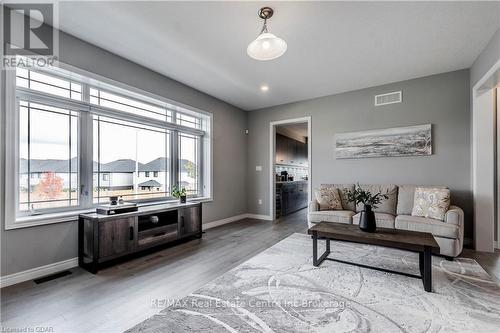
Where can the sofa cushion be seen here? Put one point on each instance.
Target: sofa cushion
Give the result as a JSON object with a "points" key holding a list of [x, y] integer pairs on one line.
{"points": [[342, 188], [340, 216], [328, 198], [406, 196], [382, 220], [431, 202], [386, 206], [423, 224]]}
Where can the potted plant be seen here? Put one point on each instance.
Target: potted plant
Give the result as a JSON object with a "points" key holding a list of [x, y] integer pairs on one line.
{"points": [[179, 194], [370, 201]]}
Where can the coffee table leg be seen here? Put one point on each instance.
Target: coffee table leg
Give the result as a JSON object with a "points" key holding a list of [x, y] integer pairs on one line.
{"points": [[427, 276], [421, 263], [315, 248], [317, 261]]}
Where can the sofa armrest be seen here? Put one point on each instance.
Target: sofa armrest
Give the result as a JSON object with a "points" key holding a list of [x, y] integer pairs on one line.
{"points": [[455, 215], [313, 206]]}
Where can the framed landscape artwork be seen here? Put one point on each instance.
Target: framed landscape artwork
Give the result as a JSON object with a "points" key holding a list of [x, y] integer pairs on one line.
{"points": [[391, 142]]}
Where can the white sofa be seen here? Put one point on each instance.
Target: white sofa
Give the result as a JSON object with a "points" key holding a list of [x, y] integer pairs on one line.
{"points": [[395, 212]]}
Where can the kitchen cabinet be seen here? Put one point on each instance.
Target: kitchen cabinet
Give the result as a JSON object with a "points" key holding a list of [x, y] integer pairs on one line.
{"points": [[290, 151], [281, 149]]}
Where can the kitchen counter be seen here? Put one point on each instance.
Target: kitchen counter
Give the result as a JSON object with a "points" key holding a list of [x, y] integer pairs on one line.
{"points": [[293, 181]]}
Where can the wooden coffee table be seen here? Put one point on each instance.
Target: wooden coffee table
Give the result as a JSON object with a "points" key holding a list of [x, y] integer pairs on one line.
{"points": [[421, 242]]}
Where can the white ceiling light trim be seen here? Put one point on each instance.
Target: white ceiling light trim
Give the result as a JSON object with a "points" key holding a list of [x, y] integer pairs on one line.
{"points": [[266, 46]]}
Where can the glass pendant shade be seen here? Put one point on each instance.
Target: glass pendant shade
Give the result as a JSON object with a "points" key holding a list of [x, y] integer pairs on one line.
{"points": [[266, 47]]}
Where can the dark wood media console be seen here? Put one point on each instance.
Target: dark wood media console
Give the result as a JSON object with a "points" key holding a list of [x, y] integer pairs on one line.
{"points": [[102, 238]]}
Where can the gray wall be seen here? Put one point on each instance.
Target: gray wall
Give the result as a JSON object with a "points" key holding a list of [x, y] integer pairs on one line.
{"points": [[486, 59], [27, 248], [441, 100]]}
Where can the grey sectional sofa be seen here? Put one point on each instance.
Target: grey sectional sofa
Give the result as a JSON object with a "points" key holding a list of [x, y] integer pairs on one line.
{"points": [[395, 212]]}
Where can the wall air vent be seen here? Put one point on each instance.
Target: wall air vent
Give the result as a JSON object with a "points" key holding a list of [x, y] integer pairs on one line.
{"points": [[389, 98]]}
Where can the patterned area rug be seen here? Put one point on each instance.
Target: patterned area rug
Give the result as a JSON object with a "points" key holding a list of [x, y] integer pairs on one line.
{"points": [[279, 290]]}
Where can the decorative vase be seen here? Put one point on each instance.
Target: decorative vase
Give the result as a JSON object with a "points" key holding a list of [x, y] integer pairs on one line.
{"points": [[367, 220], [182, 199]]}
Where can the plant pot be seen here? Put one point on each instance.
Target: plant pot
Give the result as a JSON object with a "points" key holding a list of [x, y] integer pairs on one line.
{"points": [[182, 199], [367, 220]]}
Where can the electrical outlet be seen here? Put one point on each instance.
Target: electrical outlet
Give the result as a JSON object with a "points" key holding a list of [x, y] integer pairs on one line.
{"points": [[258, 168], [260, 201]]}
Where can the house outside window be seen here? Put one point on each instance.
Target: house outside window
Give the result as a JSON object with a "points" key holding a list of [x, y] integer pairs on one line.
{"points": [[155, 174], [147, 174]]}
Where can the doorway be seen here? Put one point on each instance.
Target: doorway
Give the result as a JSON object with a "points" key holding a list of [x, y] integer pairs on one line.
{"points": [[290, 166]]}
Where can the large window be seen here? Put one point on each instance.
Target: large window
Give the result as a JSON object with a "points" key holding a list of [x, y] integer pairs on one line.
{"points": [[80, 140]]}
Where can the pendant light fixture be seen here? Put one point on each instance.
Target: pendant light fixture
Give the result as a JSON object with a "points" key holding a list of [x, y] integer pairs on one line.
{"points": [[266, 46]]}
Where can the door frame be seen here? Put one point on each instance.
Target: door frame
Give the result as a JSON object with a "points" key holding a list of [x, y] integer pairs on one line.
{"points": [[272, 163], [485, 198]]}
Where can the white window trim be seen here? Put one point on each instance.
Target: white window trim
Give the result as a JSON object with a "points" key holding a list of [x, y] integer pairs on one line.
{"points": [[12, 221]]}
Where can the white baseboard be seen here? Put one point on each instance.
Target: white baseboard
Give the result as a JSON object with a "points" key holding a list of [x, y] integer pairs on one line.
{"points": [[217, 223], [259, 217], [37, 272]]}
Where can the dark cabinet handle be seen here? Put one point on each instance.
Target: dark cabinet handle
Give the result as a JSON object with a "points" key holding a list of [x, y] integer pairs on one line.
{"points": [[131, 233], [182, 222]]}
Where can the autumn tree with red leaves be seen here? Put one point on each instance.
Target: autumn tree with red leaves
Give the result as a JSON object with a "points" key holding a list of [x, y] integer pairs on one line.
{"points": [[50, 187]]}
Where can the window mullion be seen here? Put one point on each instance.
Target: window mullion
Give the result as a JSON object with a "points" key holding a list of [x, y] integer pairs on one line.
{"points": [[174, 165], [200, 168], [86, 145]]}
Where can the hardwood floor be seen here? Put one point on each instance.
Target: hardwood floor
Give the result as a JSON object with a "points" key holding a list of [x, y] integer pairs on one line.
{"points": [[121, 296]]}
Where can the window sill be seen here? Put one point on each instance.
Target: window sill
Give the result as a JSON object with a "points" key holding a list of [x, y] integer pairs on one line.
{"points": [[44, 219]]}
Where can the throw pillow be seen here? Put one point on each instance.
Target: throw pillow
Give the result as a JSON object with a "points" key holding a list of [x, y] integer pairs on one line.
{"points": [[328, 198], [431, 202]]}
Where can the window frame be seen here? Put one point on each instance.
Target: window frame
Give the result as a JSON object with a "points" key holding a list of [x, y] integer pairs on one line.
{"points": [[85, 139]]}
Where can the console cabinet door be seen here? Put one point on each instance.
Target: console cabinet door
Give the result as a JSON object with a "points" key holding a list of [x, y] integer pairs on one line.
{"points": [[189, 221], [116, 236]]}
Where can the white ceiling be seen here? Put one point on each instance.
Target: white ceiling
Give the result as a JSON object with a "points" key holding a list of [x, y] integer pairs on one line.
{"points": [[296, 131], [332, 46]]}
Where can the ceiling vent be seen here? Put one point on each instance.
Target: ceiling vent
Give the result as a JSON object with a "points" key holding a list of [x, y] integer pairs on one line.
{"points": [[389, 98]]}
